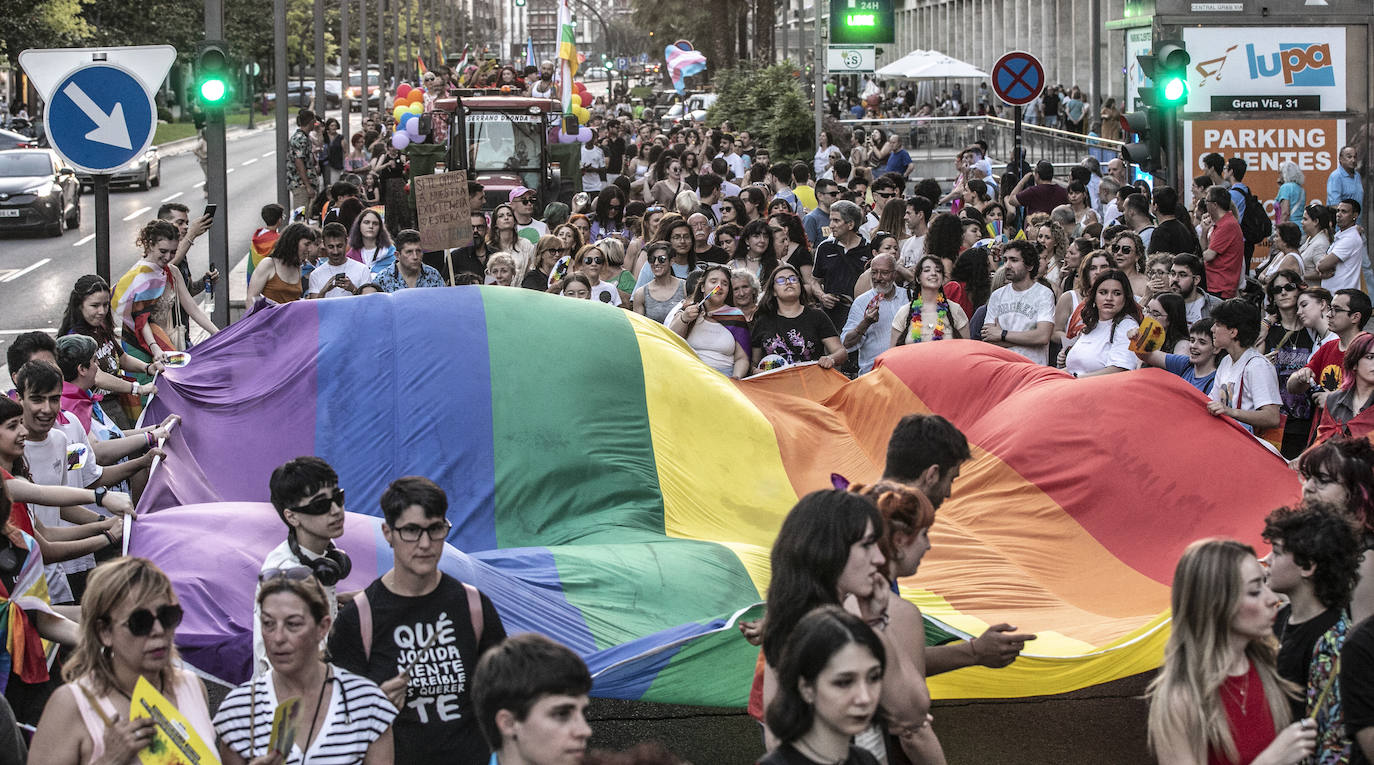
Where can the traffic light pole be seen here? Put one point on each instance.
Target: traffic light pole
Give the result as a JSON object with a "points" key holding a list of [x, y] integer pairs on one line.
{"points": [[101, 184], [216, 187]]}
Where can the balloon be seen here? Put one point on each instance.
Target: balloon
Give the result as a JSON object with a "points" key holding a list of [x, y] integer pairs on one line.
{"points": [[584, 135], [404, 118], [583, 115], [575, 100], [397, 112], [413, 128], [566, 138], [403, 90], [417, 97], [400, 140], [415, 108]]}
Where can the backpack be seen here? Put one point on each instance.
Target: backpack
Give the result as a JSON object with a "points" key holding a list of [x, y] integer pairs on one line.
{"points": [[1255, 225], [365, 617]]}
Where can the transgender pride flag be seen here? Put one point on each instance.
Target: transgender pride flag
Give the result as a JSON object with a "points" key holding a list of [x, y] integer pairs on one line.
{"points": [[683, 64]]}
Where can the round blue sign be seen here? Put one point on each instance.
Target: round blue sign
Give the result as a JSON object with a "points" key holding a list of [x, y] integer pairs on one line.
{"points": [[100, 118], [1017, 78]]}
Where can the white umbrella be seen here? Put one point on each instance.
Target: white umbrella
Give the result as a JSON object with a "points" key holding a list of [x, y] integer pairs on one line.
{"points": [[930, 65]]}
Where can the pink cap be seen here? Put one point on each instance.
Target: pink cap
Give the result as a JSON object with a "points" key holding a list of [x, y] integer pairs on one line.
{"points": [[517, 192]]}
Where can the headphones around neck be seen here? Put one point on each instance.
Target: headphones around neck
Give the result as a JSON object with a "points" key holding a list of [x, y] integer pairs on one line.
{"points": [[329, 568]]}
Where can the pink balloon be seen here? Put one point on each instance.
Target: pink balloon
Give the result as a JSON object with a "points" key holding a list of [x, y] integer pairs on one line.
{"points": [[403, 90]]}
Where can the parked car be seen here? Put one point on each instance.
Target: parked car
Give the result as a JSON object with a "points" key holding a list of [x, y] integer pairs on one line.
{"points": [[595, 74], [12, 140], [144, 172], [301, 94], [38, 190], [374, 88]]}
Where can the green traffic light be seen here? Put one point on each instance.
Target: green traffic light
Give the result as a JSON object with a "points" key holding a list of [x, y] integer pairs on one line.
{"points": [[213, 90], [1175, 89]]}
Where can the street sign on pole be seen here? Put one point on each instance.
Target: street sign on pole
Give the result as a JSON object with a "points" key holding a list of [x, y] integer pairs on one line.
{"points": [[100, 113], [850, 59], [1018, 78], [622, 63]]}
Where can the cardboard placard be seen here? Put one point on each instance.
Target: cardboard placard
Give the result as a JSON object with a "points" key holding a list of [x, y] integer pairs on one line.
{"points": [[174, 740], [441, 210]]}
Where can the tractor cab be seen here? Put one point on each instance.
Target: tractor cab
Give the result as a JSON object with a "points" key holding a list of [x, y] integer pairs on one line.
{"points": [[503, 141]]}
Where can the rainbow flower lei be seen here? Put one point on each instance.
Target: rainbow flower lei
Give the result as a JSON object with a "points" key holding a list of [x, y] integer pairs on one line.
{"points": [[941, 318]]}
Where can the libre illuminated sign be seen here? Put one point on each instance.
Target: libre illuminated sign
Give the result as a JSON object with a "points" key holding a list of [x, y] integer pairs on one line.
{"points": [[861, 22]]}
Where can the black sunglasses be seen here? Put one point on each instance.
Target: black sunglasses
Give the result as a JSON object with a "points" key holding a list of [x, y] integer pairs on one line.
{"points": [[140, 622], [1290, 287], [592, 260], [659, 259], [289, 573], [321, 505], [1120, 248]]}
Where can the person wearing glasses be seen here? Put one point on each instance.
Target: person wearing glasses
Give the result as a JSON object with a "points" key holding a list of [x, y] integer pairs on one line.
{"points": [[547, 253], [665, 291], [783, 326], [884, 190], [342, 719], [305, 492], [129, 618], [1349, 310], [419, 632], [589, 262]]}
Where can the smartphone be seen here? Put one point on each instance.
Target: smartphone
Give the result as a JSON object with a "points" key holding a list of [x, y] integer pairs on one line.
{"points": [[210, 210]]}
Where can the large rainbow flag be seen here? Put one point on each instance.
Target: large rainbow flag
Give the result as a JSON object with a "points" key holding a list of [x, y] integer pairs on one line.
{"points": [[609, 490]]}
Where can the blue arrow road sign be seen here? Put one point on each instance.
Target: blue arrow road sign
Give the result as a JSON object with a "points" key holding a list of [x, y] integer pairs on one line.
{"points": [[100, 118]]}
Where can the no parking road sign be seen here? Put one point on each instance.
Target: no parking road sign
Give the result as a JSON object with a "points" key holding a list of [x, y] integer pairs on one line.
{"points": [[1017, 78]]}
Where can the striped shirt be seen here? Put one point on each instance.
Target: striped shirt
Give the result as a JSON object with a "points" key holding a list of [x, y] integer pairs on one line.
{"points": [[351, 724]]}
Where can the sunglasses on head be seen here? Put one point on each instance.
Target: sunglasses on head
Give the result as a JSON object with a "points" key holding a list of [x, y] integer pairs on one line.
{"points": [[140, 622], [289, 573], [321, 505]]}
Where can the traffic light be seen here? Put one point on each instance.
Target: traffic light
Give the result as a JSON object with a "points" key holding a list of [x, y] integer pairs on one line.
{"points": [[1170, 77], [519, 3], [1146, 150], [213, 71]]}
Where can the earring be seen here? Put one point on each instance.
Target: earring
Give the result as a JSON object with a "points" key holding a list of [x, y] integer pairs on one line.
{"points": [[106, 652]]}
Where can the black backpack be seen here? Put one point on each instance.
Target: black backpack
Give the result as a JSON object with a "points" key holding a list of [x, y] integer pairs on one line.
{"points": [[1255, 225]]}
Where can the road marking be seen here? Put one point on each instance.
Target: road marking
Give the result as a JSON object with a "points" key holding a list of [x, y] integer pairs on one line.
{"points": [[230, 170], [137, 213], [172, 196], [84, 240], [23, 271], [270, 153], [249, 162], [198, 185]]}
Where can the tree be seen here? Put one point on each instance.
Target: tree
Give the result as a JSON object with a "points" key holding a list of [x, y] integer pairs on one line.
{"points": [[768, 102], [709, 25], [28, 24]]}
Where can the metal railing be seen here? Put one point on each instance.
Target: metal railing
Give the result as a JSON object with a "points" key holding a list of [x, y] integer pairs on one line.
{"points": [[943, 137]]}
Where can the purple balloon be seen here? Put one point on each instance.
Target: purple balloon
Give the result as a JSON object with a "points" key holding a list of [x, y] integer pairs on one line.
{"points": [[413, 129], [584, 135], [566, 138], [400, 140]]}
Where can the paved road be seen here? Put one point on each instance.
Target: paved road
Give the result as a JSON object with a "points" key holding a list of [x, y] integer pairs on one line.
{"points": [[37, 272]]}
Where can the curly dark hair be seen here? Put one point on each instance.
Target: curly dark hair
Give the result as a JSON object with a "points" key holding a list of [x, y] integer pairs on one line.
{"points": [[155, 231], [1349, 462], [944, 236], [971, 270], [1319, 535]]}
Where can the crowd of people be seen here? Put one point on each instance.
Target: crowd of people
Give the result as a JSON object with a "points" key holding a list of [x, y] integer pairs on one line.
{"points": [[756, 263]]}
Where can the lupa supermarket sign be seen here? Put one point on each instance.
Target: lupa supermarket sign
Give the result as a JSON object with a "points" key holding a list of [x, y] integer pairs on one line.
{"points": [[1266, 68]]}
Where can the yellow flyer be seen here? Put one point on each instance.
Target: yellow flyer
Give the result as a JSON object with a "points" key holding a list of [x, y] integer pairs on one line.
{"points": [[1150, 336], [174, 742], [283, 735]]}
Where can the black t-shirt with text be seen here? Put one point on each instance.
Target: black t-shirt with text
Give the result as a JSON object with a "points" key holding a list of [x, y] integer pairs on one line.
{"points": [[437, 722]]}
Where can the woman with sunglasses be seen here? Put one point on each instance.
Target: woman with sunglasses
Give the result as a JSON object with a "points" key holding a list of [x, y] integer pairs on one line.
{"points": [[588, 262], [1128, 251], [609, 216], [547, 253], [785, 327], [342, 718], [711, 324], [129, 617], [677, 232], [732, 211], [88, 313], [1288, 339], [657, 298], [755, 249]]}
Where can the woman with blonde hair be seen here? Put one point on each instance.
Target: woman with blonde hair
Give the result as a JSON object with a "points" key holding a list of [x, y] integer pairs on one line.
{"points": [[129, 616], [614, 270], [1219, 698], [547, 253]]}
